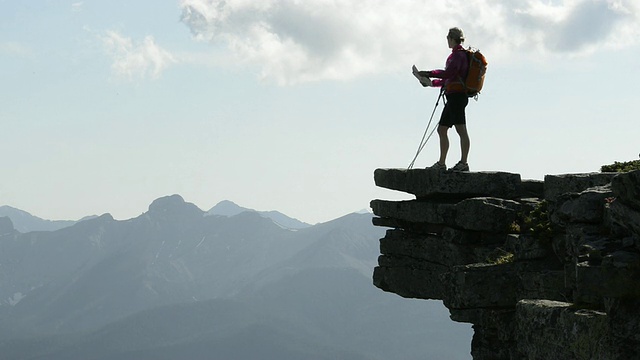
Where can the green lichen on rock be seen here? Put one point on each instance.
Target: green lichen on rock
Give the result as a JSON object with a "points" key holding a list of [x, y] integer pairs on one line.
{"points": [[537, 222], [500, 256], [625, 166]]}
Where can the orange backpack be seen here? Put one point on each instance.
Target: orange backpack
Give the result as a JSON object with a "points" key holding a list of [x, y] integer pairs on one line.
{"points": [[475, 76], [477, 69]]}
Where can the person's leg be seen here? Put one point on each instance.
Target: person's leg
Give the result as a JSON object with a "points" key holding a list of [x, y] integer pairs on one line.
{"points": [[465, 143], [443, 128], [444, 143]]}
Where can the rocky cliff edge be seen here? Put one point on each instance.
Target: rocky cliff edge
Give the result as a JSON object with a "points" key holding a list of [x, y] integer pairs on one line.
{"points": [[542, 269]]}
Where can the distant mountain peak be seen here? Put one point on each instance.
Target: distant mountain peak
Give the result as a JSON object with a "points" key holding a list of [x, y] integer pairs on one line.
{"points": [[227, 208], [166, 201], [173, 205]]}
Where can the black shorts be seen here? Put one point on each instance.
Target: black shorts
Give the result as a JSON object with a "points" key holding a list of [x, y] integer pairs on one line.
{"points": [[453, 112]]}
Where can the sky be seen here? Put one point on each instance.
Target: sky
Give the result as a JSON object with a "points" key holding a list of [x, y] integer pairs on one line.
{"points": [[290, 105]]}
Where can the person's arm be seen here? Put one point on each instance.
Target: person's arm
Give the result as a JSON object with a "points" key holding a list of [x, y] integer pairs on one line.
{"points": [[455, 64], [451, 71], [437, 82]]}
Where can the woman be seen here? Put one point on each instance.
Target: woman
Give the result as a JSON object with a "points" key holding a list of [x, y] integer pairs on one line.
{"points": [[453, 114]]}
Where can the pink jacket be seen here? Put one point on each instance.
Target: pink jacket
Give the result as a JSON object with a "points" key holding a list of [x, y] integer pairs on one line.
{"points": [[455, 69]]}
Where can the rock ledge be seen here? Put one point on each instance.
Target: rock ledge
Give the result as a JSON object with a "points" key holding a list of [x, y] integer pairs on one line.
{"points": [[543, 270]]}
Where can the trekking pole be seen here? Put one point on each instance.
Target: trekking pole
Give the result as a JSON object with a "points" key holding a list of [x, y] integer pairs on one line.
{"points": [[423, 142]]}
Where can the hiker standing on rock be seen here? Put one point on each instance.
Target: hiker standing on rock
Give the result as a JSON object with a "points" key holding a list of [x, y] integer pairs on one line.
{"points": [[453, 114]]}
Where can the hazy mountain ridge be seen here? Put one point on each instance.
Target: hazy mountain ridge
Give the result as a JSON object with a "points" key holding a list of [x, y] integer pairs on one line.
{"points": [[104, 276], [25, 222], [228, 208], [180, 251], [213, 329]]}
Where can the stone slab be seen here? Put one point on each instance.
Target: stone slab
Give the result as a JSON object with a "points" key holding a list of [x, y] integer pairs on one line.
{"points": [[584, 207], [625, 216], [481, 286], [594, 283], [486, 214], [432, 248], [545, 284], [409, 282], [477, 214], [414, 211], [426, 183], [555, 330], [626, 188], [625, 319], [556, 185], [418, 228]]}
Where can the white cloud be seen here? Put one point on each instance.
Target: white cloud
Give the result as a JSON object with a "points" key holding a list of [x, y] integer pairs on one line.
{"points": [[578, 26], [136, 60], [77, 6], [295, 41]]}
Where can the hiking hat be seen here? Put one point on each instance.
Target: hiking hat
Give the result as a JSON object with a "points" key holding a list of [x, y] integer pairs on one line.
{"points": [[456, 34]]}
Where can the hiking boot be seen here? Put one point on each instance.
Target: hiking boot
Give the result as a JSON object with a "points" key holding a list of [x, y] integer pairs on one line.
{"points": [[460, 166], [437, 166]]}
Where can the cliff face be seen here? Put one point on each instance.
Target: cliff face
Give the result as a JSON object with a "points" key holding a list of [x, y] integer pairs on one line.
{"points": [[543, 270]]}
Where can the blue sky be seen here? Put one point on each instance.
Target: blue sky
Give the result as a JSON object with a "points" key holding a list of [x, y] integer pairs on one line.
{"points": [[291, 105]]}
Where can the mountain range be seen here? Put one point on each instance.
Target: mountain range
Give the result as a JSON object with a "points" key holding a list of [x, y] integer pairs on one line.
{"points": [[229, 283], [25, 222]]}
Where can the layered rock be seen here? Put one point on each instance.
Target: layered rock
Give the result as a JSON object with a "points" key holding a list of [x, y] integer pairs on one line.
{"points": [[541, 270]]}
